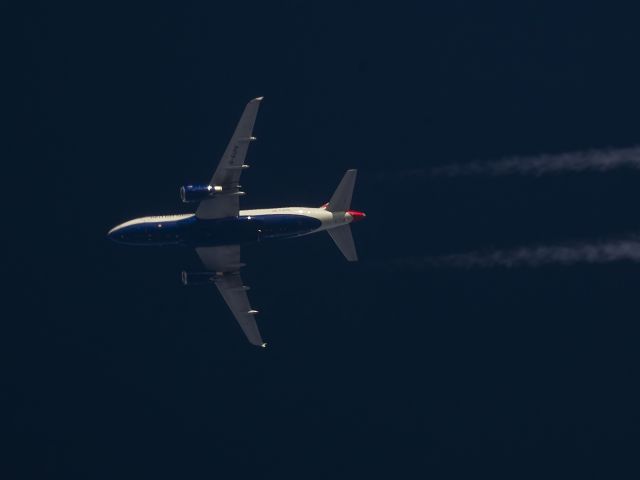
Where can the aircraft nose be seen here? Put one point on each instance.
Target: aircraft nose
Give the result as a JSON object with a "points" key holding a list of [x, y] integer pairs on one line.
{"points": [[112, 234], [356, 216]]}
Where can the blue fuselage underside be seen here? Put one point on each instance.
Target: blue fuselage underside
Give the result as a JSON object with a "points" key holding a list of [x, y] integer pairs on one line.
{"points": [[192, 231]]}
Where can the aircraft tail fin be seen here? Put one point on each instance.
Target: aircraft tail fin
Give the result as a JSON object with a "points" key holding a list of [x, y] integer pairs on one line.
{"points": [[344, 241], [341, 202], [341, 199]]}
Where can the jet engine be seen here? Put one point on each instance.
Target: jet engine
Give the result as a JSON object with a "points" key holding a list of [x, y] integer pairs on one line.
{"points": [[197, 193], [197, 278]]}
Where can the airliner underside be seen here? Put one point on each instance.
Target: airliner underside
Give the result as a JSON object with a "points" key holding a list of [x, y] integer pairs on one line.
{"points": [[218, 228]]}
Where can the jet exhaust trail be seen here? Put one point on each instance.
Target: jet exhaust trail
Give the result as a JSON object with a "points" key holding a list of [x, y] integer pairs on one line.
{"points": [[589, 160], [627, 249]]}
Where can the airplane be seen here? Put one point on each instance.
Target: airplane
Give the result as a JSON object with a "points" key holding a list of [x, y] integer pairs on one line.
{"points": [[218, 228]]}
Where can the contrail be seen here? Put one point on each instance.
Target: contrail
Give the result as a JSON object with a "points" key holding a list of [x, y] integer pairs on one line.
{"points": [[590, 160], [620, 250]]}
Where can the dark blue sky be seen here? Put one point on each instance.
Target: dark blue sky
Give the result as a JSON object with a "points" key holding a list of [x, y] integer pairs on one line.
{"points": [[112, 370]]}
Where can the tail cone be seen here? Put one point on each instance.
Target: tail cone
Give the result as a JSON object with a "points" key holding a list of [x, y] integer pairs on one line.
{"points": [[355, 215]]}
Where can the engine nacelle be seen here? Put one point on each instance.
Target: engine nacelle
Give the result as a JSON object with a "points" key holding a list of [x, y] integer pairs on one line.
{"points": [[197, 278], [197, 193]]}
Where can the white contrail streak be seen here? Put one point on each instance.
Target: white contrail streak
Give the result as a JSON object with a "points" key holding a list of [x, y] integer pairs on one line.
{"points": [[587, 252], [590, 160]]}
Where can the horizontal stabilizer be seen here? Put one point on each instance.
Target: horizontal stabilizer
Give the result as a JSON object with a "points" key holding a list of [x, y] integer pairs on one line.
{"points": [[344, 241], [341, 199]]}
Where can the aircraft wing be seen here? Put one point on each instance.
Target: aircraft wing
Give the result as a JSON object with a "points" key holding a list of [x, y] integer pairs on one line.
{"points": [[227, 175], [225, 260]]}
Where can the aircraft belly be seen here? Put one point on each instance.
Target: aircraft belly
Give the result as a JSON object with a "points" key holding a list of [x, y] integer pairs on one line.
{"points": [[286, 225], [248, 229], [224, 231]]}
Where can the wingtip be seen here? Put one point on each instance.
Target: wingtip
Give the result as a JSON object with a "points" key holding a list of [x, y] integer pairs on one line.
{"points": [[263, 345], [257, 99]]}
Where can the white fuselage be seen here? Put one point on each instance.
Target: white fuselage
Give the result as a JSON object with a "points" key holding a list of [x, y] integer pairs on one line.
{"points": [[248, 226]]}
